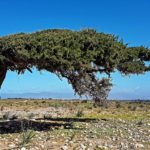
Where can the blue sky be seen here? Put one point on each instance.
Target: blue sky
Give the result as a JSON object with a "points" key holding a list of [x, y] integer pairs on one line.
{"points": [[128, 19]]}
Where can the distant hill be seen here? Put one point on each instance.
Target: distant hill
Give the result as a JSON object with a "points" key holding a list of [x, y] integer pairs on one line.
{"points": [[39, 95]]}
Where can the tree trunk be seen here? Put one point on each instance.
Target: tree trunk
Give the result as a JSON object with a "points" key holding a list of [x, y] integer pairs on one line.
{"points": [[3, 72], [100, 102]]}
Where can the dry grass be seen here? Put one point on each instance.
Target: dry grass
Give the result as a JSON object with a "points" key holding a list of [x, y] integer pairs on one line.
{"points": [[57, 123]]}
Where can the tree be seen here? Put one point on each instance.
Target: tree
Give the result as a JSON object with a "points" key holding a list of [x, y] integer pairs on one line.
{"points": [[75, 55]]}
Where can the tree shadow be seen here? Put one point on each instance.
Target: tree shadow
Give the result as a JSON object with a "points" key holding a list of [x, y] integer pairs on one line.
{"points": [[16, 126], [68, 119], [40, 124]]}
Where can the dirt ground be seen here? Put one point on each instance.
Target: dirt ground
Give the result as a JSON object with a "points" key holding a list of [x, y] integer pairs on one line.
{"points": [[74, 125]]}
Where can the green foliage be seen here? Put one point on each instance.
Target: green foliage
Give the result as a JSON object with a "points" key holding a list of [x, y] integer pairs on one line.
{"points": [[26, 137], [75, 55]]}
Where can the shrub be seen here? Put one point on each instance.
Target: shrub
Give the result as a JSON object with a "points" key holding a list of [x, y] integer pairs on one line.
{"points": [[139, 123], [6, 116], [132, 108], [31, 115], [2, 108], [13, 117], [27, 136], [79, 113], [84, 101], [118, 104]]}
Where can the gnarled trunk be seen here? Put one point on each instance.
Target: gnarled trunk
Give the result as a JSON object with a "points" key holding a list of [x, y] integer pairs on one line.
{"points": [[100, 102], [3, 71]]}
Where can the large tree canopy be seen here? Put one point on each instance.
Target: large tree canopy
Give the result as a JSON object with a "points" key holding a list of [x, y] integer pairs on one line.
{"points": [[75, 55]]}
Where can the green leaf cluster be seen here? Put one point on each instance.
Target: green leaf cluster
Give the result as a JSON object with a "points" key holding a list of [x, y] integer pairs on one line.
{"points": [[75, 55]]}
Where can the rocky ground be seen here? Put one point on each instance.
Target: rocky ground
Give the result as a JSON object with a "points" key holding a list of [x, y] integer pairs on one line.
{"points": [[74, 125]]}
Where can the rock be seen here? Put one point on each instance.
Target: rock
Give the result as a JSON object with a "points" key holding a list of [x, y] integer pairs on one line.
{"points": [[70, 142], [64, 147], [16, 140], [139, 145], [62, 127], [122, 144], [66, 141], [92, 136], [90, 144], [83, 147], [11, 145], [131, 146], [111, 146], [42, 145], [113, 138], [133, 140], [102, 147], [23, 148], [40, 138]]}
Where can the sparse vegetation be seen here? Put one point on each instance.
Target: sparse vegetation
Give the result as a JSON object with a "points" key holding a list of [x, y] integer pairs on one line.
{"points": [[132, 108], [118, 104], [79, 113], [26, 137], [6, 115], [139, 123], [2, 108], [31, 115], [74, 124]]}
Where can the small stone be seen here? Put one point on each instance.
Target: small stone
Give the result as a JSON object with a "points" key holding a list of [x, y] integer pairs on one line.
{"points": [[23, 148], [122, 144], [90, 144], [40, 138], [114, 139], [16, 140], [102, 147], [86, 139], [64, 147], [62, 127], [67, 140], [132, 146], [70, 142], [42, 145], [92, 136], [139, 145], [83, 147], [111, 146], [12, 145]]}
